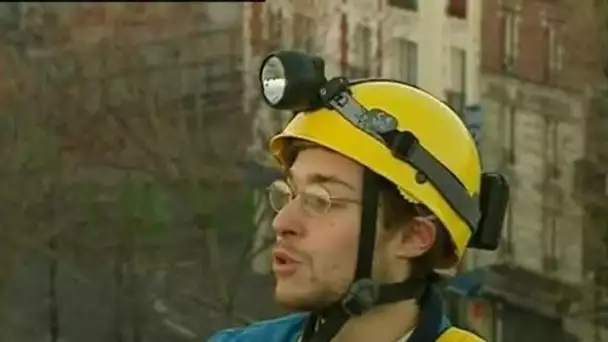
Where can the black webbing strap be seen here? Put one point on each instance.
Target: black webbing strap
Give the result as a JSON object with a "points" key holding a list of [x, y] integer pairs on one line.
{"points": [[367, 239], [406, 147]]}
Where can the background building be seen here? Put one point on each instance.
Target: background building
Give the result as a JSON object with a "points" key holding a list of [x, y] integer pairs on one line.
{"points": [[540, 84]]}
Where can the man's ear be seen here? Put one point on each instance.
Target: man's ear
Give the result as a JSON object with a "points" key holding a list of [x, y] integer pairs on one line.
{"points": [[417, 237]]}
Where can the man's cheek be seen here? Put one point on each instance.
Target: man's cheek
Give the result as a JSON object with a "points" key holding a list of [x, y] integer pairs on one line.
{"points": [[340, 268]]}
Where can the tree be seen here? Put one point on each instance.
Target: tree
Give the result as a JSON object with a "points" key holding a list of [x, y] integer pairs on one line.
{"points": [[114, 147]]}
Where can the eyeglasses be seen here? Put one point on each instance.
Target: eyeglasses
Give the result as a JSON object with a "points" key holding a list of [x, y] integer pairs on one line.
{"points": [[314, 200]]}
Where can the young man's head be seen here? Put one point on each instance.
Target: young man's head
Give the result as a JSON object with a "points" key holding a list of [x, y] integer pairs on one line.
{"points": [[326, 152], [318, 226]]}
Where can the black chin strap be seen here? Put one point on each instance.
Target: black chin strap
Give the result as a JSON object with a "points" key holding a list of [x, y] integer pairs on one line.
{"points": [[364, 293]]}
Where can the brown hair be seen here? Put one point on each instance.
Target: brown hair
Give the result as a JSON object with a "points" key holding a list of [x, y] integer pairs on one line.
{"points": [[396, 211]]}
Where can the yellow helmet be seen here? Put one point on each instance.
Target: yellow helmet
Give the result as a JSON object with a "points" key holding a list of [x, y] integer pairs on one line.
{"points": [[402, 134], [397, 131], [438, 129]]}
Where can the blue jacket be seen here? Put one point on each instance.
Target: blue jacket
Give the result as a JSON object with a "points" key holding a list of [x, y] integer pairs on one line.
{"points": [[432, 324]]}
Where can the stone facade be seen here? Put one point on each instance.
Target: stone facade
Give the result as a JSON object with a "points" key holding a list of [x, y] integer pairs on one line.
{"points": [[540, 63]]}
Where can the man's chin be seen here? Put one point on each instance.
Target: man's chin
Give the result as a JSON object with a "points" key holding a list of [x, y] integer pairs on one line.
{"points": [[297, 301], [290, 299], [294, 304]]}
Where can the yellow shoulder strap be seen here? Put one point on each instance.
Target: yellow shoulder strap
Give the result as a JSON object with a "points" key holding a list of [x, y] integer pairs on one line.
{"points": [[454, 334]]}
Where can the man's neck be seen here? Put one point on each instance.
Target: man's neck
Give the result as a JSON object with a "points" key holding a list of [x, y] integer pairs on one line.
{"points": [[385, 323]]}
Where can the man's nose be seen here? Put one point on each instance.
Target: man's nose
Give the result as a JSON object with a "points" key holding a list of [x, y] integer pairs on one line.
{"points": [[288, 221]]}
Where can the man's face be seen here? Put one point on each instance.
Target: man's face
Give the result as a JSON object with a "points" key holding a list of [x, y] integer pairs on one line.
{"points": [[315, 255]]}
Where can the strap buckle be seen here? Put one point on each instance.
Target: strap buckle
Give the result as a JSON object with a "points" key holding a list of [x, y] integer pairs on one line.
{"points": [[361, 296]]}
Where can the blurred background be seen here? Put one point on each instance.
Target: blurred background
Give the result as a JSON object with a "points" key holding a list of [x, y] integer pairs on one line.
{"points": [[133, 157]]}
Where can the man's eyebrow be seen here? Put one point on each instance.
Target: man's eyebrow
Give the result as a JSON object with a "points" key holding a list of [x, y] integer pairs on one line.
{"points": [[319, 178]]}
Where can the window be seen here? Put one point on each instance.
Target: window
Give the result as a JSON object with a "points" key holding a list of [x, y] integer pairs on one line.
{"points": [[507, 127], [411, 5], [407, 61], [274, 29], [507, 242], [457, 8], [551, 149], [512, 129], [354, 72], [600, 221], [363, 50], [598, 181], [303, 33], [553, 51], [10, 15], [549, 239], [455, 96], [455, 100], [510, 38], [458, 69], [589, 179]]}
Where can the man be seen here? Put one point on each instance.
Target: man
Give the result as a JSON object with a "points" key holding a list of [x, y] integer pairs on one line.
{"points": [[382, 185]]}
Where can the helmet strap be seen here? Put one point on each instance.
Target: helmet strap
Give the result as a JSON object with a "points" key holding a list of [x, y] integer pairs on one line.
{"points": [[364, 293], [369, 218]]}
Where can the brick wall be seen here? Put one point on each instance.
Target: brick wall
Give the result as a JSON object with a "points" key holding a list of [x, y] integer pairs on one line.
{"points": [[579, 36]]}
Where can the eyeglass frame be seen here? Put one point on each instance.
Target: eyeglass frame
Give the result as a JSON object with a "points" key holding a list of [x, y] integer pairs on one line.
{"points": [[297, 196]]}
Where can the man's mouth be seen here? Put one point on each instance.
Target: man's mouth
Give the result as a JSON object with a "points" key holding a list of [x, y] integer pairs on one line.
{"points": [[283, 263]]}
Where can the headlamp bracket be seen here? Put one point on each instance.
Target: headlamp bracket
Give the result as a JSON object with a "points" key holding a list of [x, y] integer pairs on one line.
{"points": [[334, 90], [336, 94]]}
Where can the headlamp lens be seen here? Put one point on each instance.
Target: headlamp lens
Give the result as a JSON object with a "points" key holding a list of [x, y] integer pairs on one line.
{"points": [[273, 80]]}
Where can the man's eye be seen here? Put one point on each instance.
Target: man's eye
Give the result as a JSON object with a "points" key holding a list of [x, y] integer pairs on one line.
{"points": [[315, 202]]}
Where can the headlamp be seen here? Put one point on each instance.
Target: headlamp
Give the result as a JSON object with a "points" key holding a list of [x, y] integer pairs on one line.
{"points": [[273, 80], [291, 80]]}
